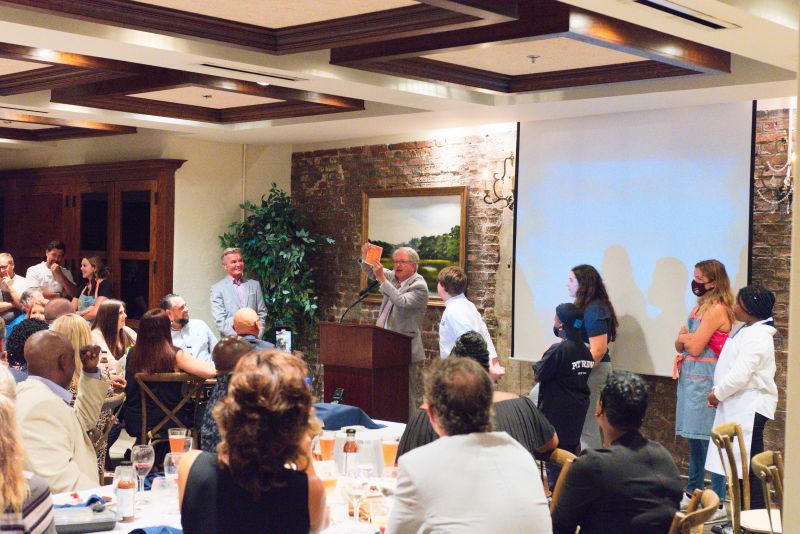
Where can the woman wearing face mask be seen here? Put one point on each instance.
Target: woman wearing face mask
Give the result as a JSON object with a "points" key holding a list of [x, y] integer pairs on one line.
{"points": [[699, 344], [599, 328], [744, 381]]}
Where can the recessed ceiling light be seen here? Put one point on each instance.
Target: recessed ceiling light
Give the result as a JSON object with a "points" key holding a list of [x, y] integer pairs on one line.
{"points": [[263, 84]]}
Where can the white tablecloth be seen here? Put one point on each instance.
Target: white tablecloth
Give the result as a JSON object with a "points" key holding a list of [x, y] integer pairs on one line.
{"points": [[162, 509]]}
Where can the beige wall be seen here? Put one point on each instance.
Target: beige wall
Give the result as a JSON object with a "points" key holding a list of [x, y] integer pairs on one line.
{"points": [[209, 187]]}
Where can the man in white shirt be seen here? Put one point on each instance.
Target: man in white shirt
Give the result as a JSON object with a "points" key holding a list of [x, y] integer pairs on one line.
{"points": [[50, 276], [192, 335], [470, 480], [461, 316], [11, 288]]}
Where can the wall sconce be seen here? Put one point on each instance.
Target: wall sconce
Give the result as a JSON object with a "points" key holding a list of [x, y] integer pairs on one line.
{"points": [[497, 182], [785, 192]]}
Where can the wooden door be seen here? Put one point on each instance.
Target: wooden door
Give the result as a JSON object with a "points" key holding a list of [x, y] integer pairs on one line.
{"points": [[135, 265], [94, 220], [44, 212]]}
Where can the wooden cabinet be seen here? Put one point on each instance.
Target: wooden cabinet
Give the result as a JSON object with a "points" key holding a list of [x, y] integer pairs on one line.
{"points": [[122, 212]]}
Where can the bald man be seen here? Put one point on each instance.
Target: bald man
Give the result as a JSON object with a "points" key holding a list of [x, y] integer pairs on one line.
{"points": [[247, 324], [56, 308], [57, 447]]}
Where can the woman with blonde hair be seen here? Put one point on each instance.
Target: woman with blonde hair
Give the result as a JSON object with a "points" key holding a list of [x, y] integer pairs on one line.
{"points": [[699, 344], [76, 329], [25, 503], [248, 484]]}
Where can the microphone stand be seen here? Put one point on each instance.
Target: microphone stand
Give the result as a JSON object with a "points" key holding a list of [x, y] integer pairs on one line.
{"points": [[361, 296]]}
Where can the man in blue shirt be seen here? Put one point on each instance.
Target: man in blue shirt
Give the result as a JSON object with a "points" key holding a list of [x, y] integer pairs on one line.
{"points": [[192, 335]]}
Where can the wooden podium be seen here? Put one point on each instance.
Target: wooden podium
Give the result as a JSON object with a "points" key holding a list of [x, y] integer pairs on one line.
{"points": [[371, 364]]}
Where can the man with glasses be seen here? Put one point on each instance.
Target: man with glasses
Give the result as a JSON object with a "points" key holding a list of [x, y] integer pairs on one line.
{"points": [[405, 299], [11, 288]]}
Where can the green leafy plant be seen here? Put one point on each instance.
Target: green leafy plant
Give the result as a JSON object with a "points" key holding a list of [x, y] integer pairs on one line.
{"points": [[276, 245]]}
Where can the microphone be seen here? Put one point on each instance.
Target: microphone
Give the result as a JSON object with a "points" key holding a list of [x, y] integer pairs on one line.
{"points": [[361, 296], [369, 288]]}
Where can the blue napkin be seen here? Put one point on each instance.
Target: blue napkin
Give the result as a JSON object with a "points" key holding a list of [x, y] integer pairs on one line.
{"points": [[91, 501], [335, 416]]}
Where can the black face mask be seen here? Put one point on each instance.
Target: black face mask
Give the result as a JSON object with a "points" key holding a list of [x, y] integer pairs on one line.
{"points": [[557, 331], [699, 288]]}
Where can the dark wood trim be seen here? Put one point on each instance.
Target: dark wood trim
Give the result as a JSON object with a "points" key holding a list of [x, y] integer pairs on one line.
{"points": [[160, 79], [127, 170], [623, 72], [17, 134], [65, 129], [540, 20], [650, 44], [6, 115], [277, 110], [51, 77], [67, 132], [358, 29], [489, 10], [426, 69]]}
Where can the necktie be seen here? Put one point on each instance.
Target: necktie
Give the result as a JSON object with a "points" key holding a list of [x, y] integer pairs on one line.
{"points": [[386, 311]]}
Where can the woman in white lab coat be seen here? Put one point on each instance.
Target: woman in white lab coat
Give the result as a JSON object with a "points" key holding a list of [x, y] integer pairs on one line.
{"points": [[744, 381]]}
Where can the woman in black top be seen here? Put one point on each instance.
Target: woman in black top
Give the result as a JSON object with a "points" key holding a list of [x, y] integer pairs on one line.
{"points": [[95, 287], [247, 486]]}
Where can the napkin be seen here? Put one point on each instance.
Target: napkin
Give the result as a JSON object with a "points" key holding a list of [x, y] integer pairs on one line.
{"points": [[91, 501]]}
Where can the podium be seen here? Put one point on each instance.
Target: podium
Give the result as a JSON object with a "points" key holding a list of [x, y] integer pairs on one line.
{"points": [[371, 364]]}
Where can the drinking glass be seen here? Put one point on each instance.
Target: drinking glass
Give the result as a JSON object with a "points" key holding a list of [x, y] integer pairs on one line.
{"points": [[142, 457], [355, 487], [326, 443], [389, 453], [176, 438], [171, 462], [378, 512]]}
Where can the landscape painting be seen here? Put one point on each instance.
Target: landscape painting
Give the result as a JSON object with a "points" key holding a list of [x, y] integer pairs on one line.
{"points": [[429, 220]]}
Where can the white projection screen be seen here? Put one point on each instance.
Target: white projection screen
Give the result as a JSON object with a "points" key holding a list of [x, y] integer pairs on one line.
{"points": [[642, 196]]}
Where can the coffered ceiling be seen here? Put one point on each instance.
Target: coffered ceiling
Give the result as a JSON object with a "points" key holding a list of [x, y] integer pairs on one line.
{"points": [[299, 71]]}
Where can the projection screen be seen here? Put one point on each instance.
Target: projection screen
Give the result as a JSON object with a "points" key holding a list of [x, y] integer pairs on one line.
{"points": [[642, 196]]}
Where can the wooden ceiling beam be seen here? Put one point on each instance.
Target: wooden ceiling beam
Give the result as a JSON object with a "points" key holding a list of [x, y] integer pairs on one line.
{"points": [[52, 121]]}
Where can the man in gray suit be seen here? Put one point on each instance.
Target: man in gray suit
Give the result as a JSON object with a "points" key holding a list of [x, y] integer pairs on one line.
{"points": [[405, 299], [234, 292]]}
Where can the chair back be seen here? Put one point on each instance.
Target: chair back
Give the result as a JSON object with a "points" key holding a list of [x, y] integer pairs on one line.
{"points": [[723, 436], [194, 389], [564, 459], [702, 506], [768, 467]]}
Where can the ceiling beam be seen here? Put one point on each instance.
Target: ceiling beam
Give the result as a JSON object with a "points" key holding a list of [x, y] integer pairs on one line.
{"points": [[489, 10]]}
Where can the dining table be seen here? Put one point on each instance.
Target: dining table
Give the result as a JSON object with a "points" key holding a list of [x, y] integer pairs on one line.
{"points": [[161, 506]]}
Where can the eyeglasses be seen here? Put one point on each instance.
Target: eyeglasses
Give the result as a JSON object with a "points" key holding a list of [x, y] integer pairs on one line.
{"points": [[403, 262]]}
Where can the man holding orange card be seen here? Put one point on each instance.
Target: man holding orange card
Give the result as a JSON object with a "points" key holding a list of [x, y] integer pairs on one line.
{"points": [[405, 299]]}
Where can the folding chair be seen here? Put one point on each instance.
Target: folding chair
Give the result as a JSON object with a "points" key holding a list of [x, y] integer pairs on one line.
{"points": [[702, 506], [194, 389]]}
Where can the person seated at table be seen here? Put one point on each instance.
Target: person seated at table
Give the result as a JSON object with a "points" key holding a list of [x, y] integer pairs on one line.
{"points": [[16, 342], [31, 298], [76, 330], [226, 354], [470, 480], [248, 486], [111, 334], [155, 353], [25, 502], [94, 288], [632, 484], [54, 434], [518, 416], [56, 308]]}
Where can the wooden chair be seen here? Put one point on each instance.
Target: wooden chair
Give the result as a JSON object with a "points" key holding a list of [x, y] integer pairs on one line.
{"points": [[702, 506], [742, 518], [564, 459], [193, 390], [768, 467], [100, 438]]}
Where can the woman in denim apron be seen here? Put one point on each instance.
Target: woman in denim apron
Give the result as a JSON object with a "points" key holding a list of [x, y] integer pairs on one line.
{"points": [[699, 344], [96, 290]]}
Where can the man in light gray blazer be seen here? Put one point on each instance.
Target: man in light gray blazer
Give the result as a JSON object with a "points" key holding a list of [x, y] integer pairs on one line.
{"points": [[235, 292], [405, 299], [471, 480]]}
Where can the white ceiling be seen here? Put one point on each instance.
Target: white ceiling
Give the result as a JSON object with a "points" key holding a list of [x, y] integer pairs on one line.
{"points": [[560, 53], [205, 97], [764, 61], [280, 13], [12, 66]]}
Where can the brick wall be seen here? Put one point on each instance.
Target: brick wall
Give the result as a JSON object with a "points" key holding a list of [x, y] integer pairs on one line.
{"points": [[770, 248], [327, 185]]}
